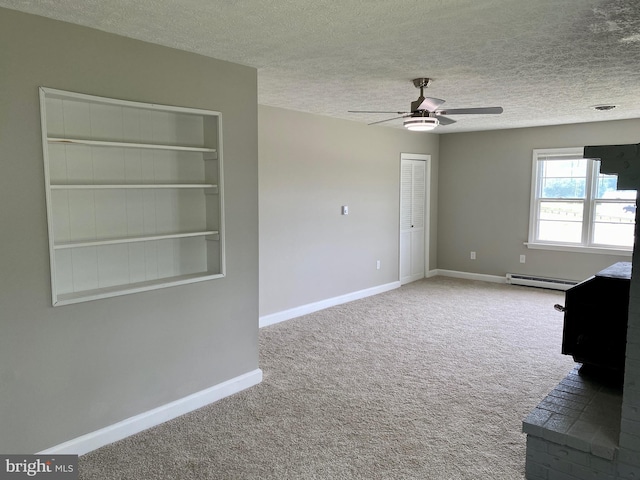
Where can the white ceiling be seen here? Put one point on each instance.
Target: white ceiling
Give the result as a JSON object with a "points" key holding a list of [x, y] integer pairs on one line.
{"points": [[545, 61]]}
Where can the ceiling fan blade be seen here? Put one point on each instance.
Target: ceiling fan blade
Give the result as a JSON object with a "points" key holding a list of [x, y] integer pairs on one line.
{"points": [[429, 104], [389, 119], [374, 111], [445, 120], [470, 111]]}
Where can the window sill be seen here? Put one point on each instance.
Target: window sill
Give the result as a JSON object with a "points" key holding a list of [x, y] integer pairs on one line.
{"points": [[579, 249]]}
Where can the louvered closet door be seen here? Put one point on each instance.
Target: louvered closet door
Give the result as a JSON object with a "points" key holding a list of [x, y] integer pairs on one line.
{"points": [[412, 220]]}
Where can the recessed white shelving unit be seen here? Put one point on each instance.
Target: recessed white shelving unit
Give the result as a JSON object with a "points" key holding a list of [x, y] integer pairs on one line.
{"points": [[134, 195]]}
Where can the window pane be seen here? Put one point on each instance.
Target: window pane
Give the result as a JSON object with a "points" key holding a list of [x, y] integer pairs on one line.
{"points": [[563, 187], [608, 188], [616, 212], [614, 223], [617, 234], [562, 232], [606, 185], [560, 222], [614, 194], [576, 167], [561, 211], [563, 178]]}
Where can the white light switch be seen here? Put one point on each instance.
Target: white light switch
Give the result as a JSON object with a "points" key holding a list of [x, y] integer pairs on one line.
{"points": [[345, 209]]}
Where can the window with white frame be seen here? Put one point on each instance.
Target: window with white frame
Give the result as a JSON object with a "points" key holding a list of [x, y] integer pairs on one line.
{"points": [[574, 205]]}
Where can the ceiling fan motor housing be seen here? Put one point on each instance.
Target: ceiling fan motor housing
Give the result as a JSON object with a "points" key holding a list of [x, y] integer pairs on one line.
{"points": [[421, 82]]}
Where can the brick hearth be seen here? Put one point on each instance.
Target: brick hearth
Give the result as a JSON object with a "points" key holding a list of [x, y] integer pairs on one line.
{"points": [[574, 431]]}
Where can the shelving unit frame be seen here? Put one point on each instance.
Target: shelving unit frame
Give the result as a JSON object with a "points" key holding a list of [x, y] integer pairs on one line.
{"points": [[134, 195]]}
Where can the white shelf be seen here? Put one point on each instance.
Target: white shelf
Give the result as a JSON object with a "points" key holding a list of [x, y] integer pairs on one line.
{"points": [[149, 146], [119, 186], [146, 238], [106, 292]]}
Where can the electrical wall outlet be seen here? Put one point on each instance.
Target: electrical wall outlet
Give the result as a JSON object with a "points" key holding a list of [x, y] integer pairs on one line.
{"points": [[522, 258], [377, 264], [345, 210], [473, 255]]}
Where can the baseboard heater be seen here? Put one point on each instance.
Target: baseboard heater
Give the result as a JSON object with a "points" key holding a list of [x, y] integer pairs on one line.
{"points": [[541, 282]]}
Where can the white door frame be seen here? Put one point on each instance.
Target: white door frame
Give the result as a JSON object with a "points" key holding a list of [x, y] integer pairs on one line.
{"points": [[427, 207]]}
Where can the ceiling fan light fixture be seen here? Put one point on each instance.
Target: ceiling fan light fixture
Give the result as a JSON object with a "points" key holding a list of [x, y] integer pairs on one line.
{"points": [[421, 124]]}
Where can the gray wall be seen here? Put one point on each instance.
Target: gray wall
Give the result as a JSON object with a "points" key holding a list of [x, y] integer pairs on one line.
{"points": [[309, 167], [484, 193], [70, 370]]}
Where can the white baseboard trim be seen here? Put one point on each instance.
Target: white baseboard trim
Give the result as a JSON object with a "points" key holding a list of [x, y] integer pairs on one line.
{"points": [[118, 431], [278, 317], [412, 278], [471, 276]]}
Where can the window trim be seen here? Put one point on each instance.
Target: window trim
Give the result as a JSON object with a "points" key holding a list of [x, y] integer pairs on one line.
{"points": [[588, 214]]}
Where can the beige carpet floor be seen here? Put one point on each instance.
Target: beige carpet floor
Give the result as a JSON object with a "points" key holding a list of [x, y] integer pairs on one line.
{"points": [[429, 381]]}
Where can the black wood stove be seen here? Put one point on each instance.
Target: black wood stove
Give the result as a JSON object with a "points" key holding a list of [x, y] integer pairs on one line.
{"points": [[595, 321]]}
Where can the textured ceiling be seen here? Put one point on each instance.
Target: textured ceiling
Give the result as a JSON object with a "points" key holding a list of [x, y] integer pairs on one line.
{"points": [[545, 61]]}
